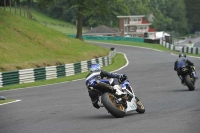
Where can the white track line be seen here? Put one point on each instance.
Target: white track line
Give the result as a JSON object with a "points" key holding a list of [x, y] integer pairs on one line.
{"points": [[127, 62]]}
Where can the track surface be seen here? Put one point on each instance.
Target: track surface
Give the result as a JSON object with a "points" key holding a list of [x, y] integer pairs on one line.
{"points": [[196, 42], [66, 107]]}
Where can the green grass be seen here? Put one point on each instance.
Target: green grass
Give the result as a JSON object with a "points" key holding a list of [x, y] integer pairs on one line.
{"points": [[58, 25], [25, 43], [145, 45], [6, 101], [117, 62]]}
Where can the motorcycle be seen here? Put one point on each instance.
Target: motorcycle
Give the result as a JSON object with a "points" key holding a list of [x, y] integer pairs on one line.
{"points": [[187, 73], [117, 105]]}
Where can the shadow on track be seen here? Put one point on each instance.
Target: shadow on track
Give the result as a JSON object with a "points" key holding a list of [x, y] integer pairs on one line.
{"points": [[182, 90], [107, 116]]}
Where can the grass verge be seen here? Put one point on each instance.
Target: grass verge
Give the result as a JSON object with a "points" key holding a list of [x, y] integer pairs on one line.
{"points": [[139, 44], [6, 101], [117, 62]]}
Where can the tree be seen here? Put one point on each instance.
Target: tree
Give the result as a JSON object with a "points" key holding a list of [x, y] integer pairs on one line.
{"points": [[176, 11], [94, 18], [88, 7], [193, 14]]}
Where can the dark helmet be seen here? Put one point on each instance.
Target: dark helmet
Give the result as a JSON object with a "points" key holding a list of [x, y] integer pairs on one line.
{"points": [[182, 55]]}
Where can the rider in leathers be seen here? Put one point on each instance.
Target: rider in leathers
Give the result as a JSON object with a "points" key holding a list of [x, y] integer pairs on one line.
{"points": [[181, 61], [94, 97]]}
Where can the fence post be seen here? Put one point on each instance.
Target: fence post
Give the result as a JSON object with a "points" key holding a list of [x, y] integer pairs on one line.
{"points": [[10, 5], [24, 12], [15, 7], [4, 4], [20, 9]]}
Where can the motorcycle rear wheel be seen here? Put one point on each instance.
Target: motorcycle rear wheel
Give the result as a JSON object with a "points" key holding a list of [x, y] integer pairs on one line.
{"points": [[189, 83], [117, 110]]}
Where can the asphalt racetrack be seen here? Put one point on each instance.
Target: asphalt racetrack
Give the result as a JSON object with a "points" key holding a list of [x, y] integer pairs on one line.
{"points": [[66, 107]]}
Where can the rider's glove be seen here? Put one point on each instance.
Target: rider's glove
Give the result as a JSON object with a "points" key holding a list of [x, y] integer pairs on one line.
{"points": [[194, 67], [122, 77]]}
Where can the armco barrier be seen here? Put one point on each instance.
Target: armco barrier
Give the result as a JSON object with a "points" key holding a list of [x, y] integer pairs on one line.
{"points": [[191, 50], [51, 72], [111, 38]]}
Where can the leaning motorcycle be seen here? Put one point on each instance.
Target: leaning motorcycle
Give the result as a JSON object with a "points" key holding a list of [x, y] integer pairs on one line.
{"points": [[188, 76], [117, 105]]}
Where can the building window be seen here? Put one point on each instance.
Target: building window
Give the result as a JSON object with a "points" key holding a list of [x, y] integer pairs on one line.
{"points": [[126, 29], [125, 21], [132, 28], [132, 19], [139, 19]]}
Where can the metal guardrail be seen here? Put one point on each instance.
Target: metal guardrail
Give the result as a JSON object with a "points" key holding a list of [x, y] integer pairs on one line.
{"points": [[51, 72], [191, 50]]}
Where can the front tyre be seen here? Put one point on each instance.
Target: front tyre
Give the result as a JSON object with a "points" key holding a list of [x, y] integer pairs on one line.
{"points": [[189, 83], [109, 102], [140, 107]]}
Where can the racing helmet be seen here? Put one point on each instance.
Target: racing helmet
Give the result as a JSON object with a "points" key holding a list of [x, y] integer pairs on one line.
{"points": [[95, 67], [182, 55]]}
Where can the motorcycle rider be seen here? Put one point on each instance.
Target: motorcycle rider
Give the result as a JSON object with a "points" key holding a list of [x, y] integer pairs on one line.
{"points": [[96, 68], [181, 61]]}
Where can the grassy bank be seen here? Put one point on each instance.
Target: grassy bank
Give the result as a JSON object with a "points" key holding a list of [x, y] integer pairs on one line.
{"points": [[25, 43], [58, 25]]}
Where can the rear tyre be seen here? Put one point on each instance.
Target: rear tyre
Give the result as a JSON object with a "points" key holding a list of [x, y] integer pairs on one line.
{"points": [[140, 107], [189, 83], [117, 110]]}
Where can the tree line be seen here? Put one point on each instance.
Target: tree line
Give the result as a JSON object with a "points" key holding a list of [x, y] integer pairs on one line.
{"points": [[170, 15]]}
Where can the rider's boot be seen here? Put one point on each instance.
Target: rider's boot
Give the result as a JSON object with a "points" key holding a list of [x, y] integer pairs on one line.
{"points": [[194, 75]]}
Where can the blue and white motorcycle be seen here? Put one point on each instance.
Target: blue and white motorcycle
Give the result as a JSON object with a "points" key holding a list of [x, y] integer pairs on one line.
{"points": [[117, 99]]}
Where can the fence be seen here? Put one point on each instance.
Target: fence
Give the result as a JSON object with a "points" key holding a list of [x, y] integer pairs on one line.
{"points": [[51, 72], [22, 8], [191, 50], [111, 38]]}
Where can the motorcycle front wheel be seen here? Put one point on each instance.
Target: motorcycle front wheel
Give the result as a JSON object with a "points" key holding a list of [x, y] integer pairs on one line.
{"points": [[109, 102], [140, 107]]}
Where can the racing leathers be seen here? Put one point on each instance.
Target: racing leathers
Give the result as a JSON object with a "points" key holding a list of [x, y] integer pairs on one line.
{"points": [[182, 61], [101, 74]]}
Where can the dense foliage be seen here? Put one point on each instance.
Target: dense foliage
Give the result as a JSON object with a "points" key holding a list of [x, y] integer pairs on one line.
{"points": [[171, 15]]}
